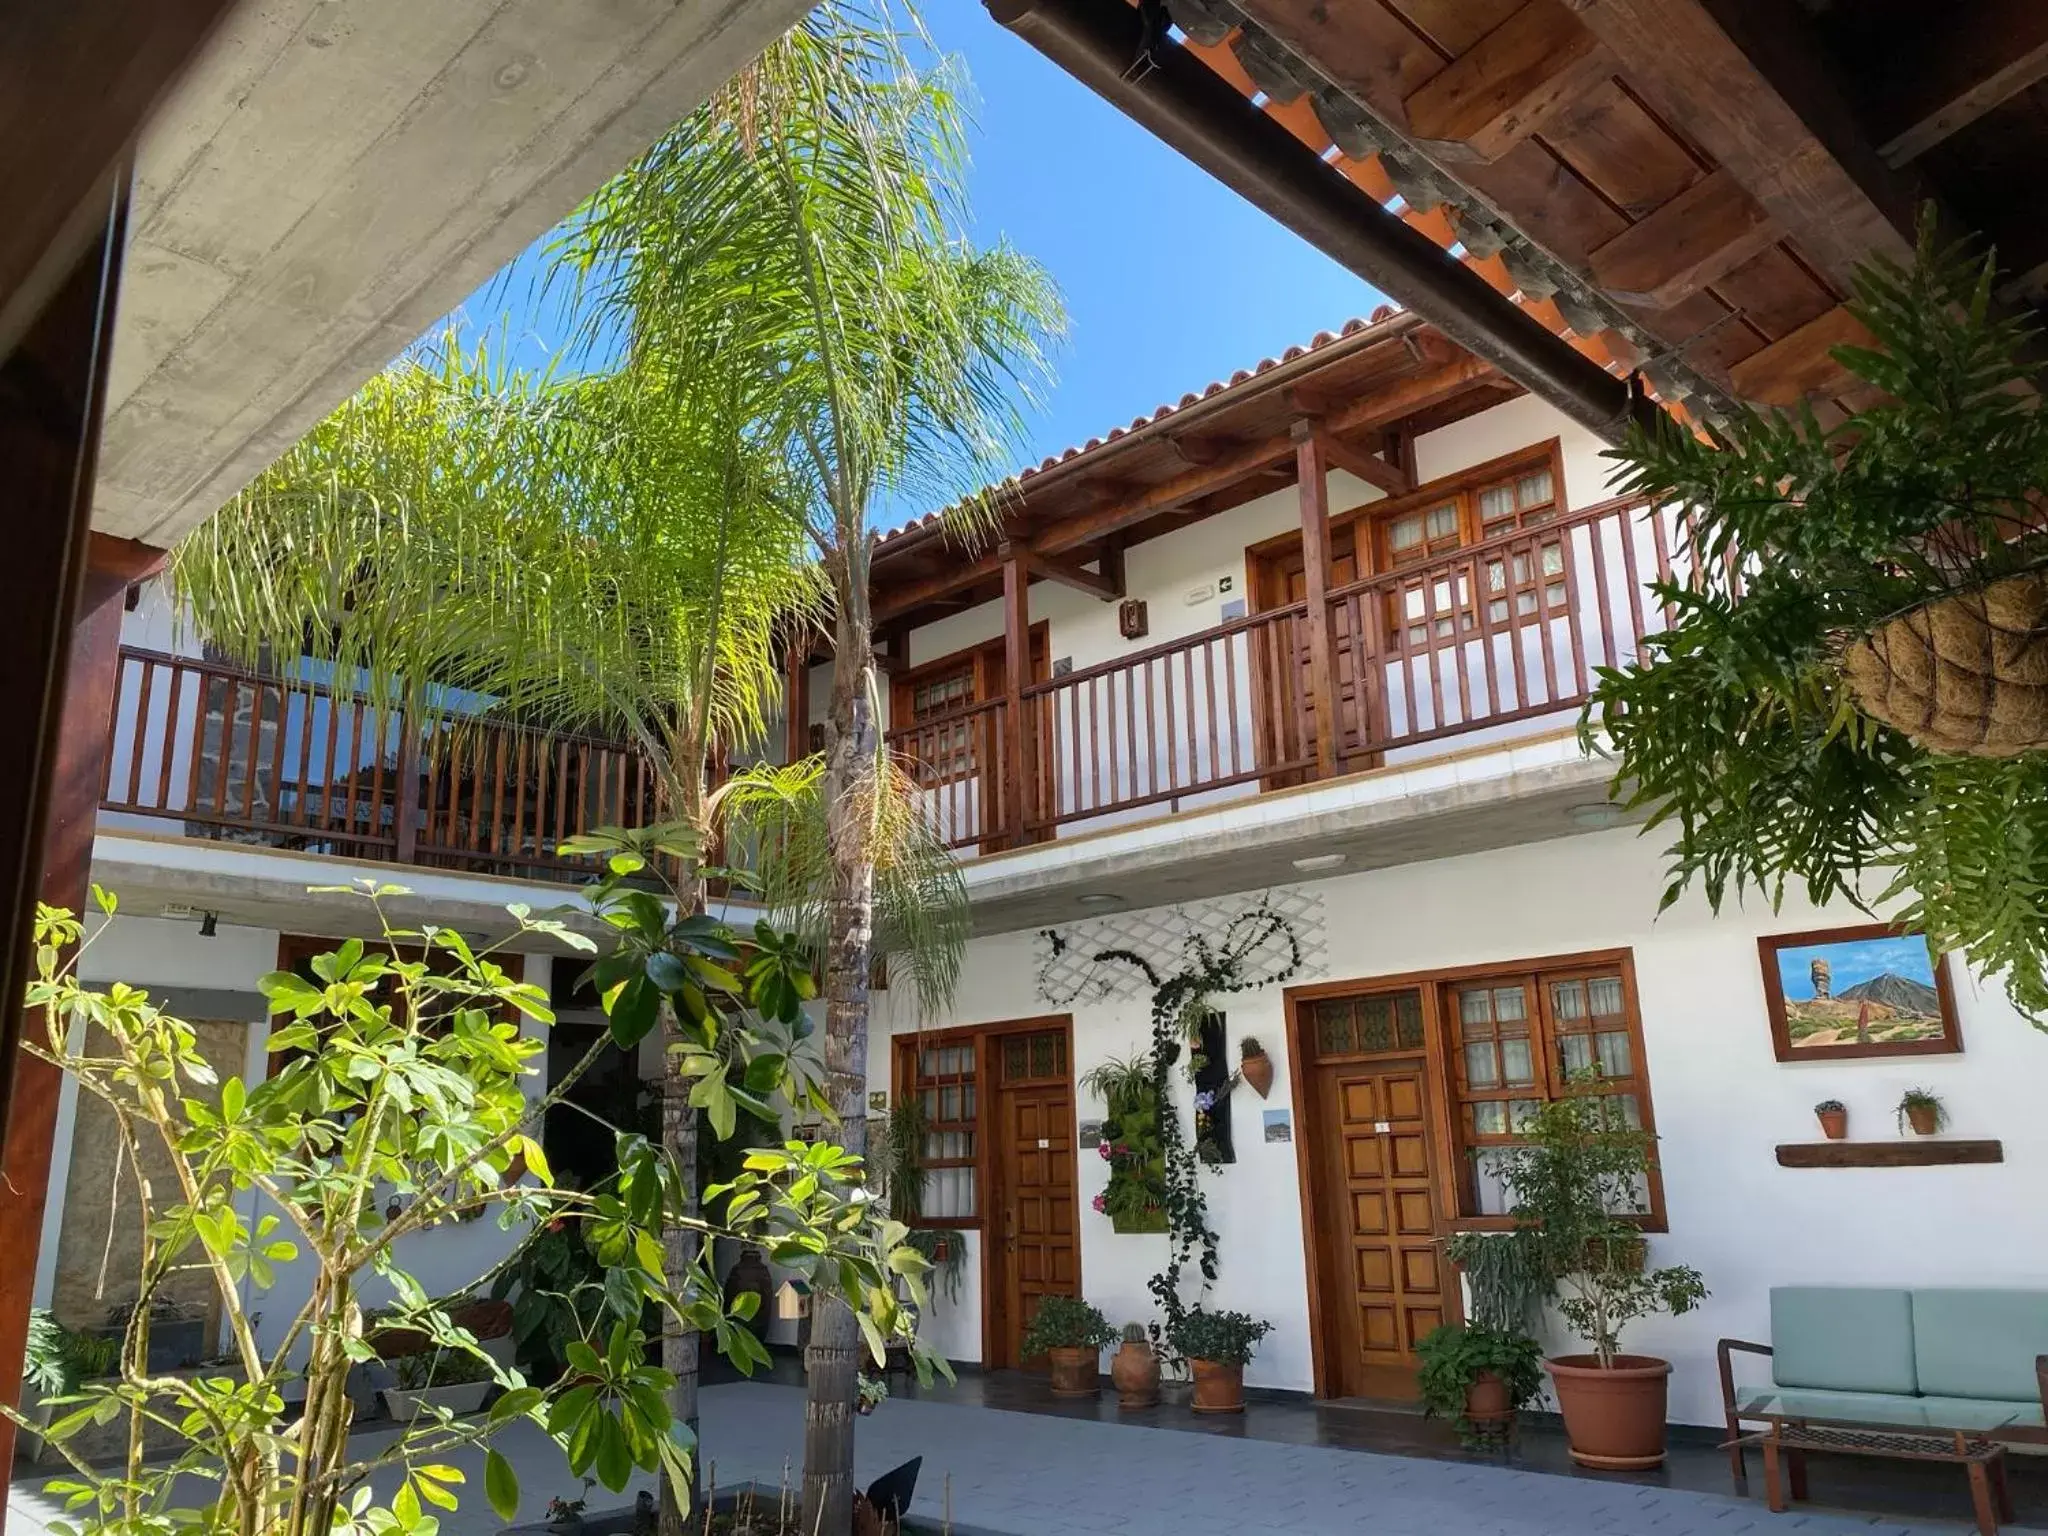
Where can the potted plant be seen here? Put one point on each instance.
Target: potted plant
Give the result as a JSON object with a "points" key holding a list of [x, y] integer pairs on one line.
{"points": [[1255, 1066], [1479, 1377], [874, 1391], [1834, 1118], [1923, 1111], [437, 1378], [1134, 1369], [1576, 1182], [1217, 1346], [1072, 1335]]}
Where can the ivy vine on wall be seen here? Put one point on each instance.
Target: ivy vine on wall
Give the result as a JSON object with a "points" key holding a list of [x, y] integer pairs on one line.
{"points": [[1183, 1004]]}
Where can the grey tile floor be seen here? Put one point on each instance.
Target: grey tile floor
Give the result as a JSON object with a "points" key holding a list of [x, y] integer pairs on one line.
{"points": [[1030, 1474]]}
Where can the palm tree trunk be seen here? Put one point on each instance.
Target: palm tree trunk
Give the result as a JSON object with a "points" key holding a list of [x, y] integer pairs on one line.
{"points": [[680, 1244], [833, 1359]]}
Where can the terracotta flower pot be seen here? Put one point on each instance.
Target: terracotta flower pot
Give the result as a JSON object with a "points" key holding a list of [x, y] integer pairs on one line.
{"points": [[1834, 1123], [1486, 1404], [1219, 1386], [1923, 1118], [1613, 1417], [1134, 1371], [1073, 1371], [1257, 1072]]}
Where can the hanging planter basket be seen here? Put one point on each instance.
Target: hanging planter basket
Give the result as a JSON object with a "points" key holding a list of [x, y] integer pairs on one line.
{"points": [[1965, 673]]}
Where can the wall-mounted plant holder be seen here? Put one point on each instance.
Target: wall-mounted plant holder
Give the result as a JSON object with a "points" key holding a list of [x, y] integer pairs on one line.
{"points": [[1213, 1142]]}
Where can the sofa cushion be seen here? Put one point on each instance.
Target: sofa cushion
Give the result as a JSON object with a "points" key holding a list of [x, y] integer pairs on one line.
{"points": [[1849, 1338], [1980, 1343], [1902, 1410]]}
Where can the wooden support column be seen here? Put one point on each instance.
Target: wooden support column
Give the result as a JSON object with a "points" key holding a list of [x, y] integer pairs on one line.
{"points": [[62, 590], [1016, 776], [1312, 469], [796, 699]]}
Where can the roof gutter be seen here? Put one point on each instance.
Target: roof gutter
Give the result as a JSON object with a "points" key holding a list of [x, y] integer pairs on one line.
{"points": [[1192, 108]]}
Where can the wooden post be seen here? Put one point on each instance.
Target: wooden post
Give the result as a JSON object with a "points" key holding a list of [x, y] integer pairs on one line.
{"points": [[796, 698], [1311, 469], [1016, 776], [62, 588]]}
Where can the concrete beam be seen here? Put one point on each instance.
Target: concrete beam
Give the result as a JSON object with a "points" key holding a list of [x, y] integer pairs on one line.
{"points": [[330, 180]]}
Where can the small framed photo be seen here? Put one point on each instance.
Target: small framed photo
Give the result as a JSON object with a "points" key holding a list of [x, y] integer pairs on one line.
{"points": [[1871, 990]]}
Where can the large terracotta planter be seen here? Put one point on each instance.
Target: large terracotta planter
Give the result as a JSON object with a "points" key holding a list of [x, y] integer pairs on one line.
{"points": [[1219, 1386], [1134, 1371], [1614, 1418], [1257, 1071], [1487, 1408], [1073, 1371]]}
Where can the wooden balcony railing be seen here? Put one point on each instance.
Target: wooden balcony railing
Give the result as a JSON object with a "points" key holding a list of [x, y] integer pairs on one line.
{"points": [[1476, 644], [293, 763]]}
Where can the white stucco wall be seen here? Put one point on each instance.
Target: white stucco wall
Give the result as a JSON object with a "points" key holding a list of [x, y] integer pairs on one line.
{"points": [[1722, 1104]]}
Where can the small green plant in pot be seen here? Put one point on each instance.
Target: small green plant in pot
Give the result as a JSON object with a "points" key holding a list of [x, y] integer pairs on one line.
{"points": [[1217, 1346], [1834, 1118], [1478, 1377], [1925, 1113], [1072, 1335], [1576, 1183]]}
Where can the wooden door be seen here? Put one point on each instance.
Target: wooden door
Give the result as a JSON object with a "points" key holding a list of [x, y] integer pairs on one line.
{"points": [[1384, 1281], [1035, 1244], [1287, 725]]}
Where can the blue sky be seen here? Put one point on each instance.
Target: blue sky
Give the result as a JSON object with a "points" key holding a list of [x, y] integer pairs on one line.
{"points": [[1171, 280], [1852, 962]]}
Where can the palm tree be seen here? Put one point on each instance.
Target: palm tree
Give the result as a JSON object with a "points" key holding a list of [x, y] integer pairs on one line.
{"points": [[818, 202], [609, 553]]}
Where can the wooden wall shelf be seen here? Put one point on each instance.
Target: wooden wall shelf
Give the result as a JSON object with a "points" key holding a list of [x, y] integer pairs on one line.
{"points": [[1887, 1154]]}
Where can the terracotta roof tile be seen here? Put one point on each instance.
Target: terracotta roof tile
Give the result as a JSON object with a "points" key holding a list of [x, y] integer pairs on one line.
{"points": [[1350, 327]]}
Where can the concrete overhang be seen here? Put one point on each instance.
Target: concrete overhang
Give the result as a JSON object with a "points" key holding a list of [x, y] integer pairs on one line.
{"points": [[333, 176], [1469, 802]]}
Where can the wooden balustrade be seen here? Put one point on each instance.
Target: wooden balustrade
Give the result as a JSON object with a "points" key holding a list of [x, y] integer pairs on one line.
{"points": [[1478, 643], [1475, 644], [293, 763]]}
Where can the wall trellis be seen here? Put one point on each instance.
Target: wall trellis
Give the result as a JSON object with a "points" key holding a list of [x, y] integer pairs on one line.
{"points": [[1068, 971]]}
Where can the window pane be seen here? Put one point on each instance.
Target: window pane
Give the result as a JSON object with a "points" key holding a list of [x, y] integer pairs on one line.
{"points": [[1496, 502], [1614, 1054], [1606, 996], [949, 1104], [1404, 533], [1575, 1054], [1334, 1033], [1553, 559], [968, 1107], [1475, 1013], [1568, 1000], [1522, 1112], [1375, 1024], [1489, 1190], [1408, 1020], [1507, 1004], [1489, 1118], [1518, 1061], [1442, 521], [1533, 489], [1481, 1071]]}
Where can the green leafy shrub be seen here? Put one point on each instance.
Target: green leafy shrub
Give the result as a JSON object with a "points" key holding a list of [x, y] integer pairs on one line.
{"points": [[1066, 1322], [1452, 1357], [1223, 1338]]}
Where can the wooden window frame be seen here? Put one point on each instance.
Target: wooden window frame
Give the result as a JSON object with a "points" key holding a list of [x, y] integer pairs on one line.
{"points": [[904, 1080], [1367, 521], [979, 657]]}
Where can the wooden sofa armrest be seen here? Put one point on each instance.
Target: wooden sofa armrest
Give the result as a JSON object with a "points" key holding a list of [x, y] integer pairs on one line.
{"points": [[1723, 1352]]}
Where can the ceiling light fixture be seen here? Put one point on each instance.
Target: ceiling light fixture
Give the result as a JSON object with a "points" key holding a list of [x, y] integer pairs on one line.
{"points": [[1318, 861]]}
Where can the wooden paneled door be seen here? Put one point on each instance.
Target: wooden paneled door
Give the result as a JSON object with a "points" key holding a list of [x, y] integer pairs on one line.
{"points": [[1279, 579], [1383, 1282], [1032, 1238]]}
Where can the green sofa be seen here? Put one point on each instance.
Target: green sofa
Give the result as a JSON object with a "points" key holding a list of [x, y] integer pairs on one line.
{"points": [[1935, 1358]]}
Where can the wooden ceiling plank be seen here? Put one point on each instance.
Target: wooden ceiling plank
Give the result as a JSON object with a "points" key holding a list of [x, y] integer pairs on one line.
{"points": [[1972, 58], [1502, 89], [1799, 364], [1746, 82], [1708, 230], [1373, 471]]}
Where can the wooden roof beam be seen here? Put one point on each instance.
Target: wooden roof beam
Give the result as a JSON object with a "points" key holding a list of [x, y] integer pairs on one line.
{"points": [[1704, 233], [1389, 478], [1506, 85], [1961, 63], [1068, 573], [1801, 362], [1745, 80]]}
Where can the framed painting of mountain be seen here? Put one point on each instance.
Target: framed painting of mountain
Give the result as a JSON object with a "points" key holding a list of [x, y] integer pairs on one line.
{"points": [[1872, 990]]}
